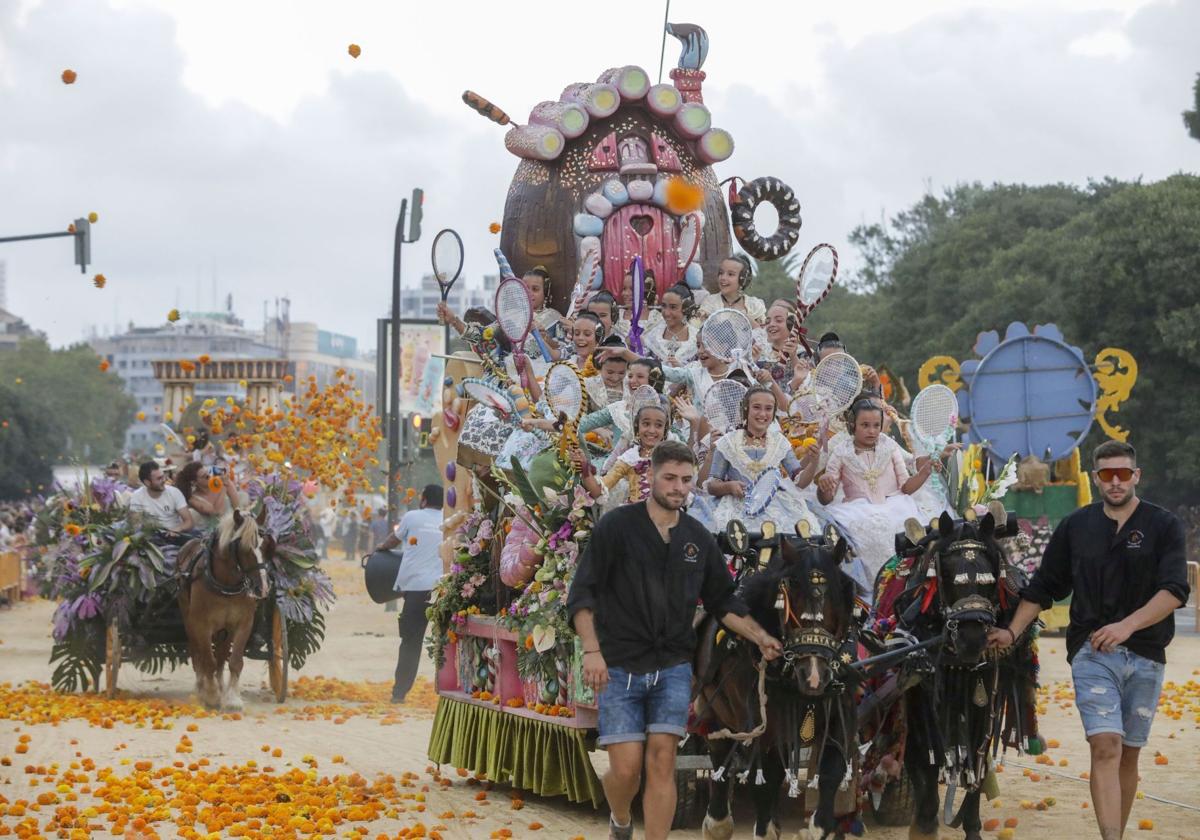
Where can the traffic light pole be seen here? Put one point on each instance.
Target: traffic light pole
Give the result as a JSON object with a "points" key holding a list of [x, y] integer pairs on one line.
{"points": [[393, 411], [82, 233]]}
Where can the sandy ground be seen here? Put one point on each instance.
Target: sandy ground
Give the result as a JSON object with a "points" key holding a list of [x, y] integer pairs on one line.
{"points": [[377, 738]]}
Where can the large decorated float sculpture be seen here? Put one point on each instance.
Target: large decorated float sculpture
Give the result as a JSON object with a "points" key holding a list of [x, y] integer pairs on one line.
{"points": [[1032, 398], [611, 172]]}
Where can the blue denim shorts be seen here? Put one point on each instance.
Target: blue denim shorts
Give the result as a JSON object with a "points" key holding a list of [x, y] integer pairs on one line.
{"points": [[1116, 692], [633, 705]]}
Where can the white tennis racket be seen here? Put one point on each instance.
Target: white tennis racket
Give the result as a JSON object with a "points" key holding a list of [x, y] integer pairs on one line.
{"points": [[723, 405], [447, 260], [486, 393], [934, 413], [514, 313], [564, 391], [836, 381], [688, 245], [729, 335]]}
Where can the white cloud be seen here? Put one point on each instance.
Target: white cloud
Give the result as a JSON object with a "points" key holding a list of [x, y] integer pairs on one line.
{"points": [[261, 150]]}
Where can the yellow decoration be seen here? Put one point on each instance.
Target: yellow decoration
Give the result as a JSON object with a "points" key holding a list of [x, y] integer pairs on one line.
{"points": [[1083, 487], [1116, 373], [940, 369]]}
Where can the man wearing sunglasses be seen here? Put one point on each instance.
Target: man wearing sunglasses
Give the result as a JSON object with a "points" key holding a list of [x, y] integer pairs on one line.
{"points": [[1123, 561]]}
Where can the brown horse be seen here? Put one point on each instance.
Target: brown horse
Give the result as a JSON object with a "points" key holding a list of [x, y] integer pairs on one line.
{"points": [[222, 579]]}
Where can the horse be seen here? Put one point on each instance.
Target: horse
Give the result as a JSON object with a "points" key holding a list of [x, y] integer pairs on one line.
{"points": [[971, 700], [804, 599], [222, 579]]}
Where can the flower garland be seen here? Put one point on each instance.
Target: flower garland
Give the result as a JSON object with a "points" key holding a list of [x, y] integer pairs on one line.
{"points": [[458, 593]]}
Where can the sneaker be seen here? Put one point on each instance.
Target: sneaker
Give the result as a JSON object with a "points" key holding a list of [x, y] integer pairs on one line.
{"points": [[619, 832]]}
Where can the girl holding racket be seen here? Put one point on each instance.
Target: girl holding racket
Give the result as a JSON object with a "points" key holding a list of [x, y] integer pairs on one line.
{"points": [[672, 339], [545, 317], [869, 468], [632, 467], [733, 279], [748, 468]]}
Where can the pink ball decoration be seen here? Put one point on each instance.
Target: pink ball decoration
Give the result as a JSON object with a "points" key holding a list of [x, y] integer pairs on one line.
{"points": [[518, 560]]}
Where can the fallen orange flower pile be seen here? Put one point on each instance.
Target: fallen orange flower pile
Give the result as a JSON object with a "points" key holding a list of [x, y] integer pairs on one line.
{"points": [[34, 703]]}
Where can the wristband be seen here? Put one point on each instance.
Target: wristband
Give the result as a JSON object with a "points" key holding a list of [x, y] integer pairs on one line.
{"points": [[597, 650]]}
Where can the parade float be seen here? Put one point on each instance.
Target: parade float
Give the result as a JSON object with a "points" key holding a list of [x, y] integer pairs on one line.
{"points": [[614, 174], [1031, 398]]}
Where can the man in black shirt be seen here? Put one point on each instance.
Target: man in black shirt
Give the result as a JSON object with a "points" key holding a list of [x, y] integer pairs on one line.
{"points": [[1123, 562], [633, 601]]}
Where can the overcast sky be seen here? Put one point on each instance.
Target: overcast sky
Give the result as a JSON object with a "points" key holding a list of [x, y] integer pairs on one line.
{"points": [[240, 140]]}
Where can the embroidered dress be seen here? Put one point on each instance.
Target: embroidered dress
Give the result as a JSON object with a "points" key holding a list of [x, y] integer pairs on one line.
{"points": [[659, 346], [874, 508], [628, 480], [771, 495], [756, 310], [600, 395]]}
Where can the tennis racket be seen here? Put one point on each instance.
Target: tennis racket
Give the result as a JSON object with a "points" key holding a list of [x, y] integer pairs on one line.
{"points": [[589, 267], [817, 275], [836, 381], [934, 415], [688, 245], [447, 260], [728, 335], [486, 393], [514, 313], [564, 391], [723, 405]]}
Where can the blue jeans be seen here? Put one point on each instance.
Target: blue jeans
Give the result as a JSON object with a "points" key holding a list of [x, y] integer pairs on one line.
{"points": [[634, 705], [1116, 692]]}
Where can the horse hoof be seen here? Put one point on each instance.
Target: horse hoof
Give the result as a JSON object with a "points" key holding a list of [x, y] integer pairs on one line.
{"points": [[232, 704], [717, 829]]}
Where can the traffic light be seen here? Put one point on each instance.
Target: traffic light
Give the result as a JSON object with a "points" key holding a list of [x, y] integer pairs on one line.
{"points": [[418, 435], [83, 244], [414, 221]]}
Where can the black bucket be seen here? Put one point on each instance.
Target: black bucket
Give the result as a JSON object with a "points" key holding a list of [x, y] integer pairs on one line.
{"points": [[379, 571]]}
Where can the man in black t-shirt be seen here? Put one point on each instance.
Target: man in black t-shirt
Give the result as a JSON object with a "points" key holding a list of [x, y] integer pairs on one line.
{"points": [[633, 601], [1123, 561]]}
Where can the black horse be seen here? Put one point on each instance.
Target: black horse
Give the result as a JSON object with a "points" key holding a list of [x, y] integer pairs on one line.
{"points": [[972, 701], [804, 599]]}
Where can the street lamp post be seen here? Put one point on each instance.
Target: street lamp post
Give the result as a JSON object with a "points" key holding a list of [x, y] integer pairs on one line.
{"points": [[393, 409]]}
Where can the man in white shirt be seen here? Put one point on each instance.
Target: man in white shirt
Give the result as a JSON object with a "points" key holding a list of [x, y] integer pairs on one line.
{"points": [[158, 502], [419, 536]]}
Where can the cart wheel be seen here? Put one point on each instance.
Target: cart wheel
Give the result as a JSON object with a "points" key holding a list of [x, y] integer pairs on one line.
{"points": [[277, 664], [112, 657]]}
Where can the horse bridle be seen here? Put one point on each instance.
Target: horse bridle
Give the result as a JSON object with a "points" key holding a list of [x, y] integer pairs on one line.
{"points": [[973, 607], [243, 585], [810, 637]]}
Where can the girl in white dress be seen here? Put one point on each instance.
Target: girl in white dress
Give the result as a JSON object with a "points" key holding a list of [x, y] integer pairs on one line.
{"points": [[733, 279], [672, 339]]}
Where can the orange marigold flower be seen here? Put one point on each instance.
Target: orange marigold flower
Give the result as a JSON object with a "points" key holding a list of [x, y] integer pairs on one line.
{"points": [[682, 196], [73, 529], [187, 366], [494, 227], [93, 217], [204, 358], [99, 280], [215, 485], [355, 50], [68, 77], [104, 365], [173, 315]]}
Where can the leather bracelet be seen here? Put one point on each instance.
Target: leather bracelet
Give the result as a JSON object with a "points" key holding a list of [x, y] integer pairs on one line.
{"points": [[1011, 635], [597, 650]]}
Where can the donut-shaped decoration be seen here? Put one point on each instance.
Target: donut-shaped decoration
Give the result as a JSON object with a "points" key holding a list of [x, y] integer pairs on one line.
{"points": [[780, 196]]}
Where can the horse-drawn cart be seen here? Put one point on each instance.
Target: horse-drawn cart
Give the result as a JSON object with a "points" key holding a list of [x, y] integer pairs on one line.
{"points": [[156, 631], [118, 585]]}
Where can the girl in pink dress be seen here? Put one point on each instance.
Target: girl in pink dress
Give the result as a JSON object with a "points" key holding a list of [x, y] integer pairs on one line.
{"points": [[869, 468]]}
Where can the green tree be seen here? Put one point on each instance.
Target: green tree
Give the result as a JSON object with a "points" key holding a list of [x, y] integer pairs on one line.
{"points": [[1112, 264], [28, 440], [1191, 119], [86, 408]]}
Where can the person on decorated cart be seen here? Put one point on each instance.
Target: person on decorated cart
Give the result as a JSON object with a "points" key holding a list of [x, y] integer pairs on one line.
{"points": [[627, 479], [776, 344], [733, 279], [548, 320], [161, 504], [869, 468], [672, 339], [209, 492], [608, 385], [604, 306], [633, 603], [755, 474]]}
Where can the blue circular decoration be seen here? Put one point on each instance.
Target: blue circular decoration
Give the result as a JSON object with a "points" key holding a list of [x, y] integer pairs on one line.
{"points": [[1032, 394]]}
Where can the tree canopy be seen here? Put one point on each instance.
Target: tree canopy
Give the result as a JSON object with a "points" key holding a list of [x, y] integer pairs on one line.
{"points": [[1112, 264], [82, 412]]}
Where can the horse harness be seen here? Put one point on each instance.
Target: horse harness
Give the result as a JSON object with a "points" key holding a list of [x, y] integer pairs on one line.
{"points": [[208, 547]]}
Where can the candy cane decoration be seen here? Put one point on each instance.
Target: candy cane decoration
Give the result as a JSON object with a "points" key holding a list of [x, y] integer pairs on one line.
{"points": [[493, 666], [561, 666]]}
